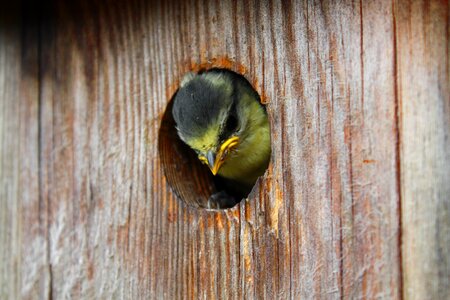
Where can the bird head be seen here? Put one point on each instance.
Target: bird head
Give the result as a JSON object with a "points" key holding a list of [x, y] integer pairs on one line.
{"points": [[207, 117]]}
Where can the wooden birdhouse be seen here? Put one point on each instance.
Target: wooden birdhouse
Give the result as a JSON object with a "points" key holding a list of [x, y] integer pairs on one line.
{"points": [[99, 199]]}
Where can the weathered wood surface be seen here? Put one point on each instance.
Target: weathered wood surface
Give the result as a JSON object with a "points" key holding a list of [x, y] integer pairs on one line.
{"points": [[355, 203], [424, 103], [24, 264]]}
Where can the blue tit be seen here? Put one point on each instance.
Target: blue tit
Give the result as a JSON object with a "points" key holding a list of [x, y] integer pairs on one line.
{"points": [[219, 115]]}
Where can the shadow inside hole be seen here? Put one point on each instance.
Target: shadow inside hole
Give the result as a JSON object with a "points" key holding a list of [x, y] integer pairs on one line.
{"points": [[189, 179]]}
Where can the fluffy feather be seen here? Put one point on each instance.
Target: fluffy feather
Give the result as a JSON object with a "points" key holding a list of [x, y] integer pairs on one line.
{"points": [[202, 110]]}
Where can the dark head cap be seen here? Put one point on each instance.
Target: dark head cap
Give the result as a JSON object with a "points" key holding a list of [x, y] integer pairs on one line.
{"points": [[200, 104]]}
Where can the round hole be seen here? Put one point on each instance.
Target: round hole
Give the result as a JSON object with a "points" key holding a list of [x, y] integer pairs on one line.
{"points": [[190, 179]]}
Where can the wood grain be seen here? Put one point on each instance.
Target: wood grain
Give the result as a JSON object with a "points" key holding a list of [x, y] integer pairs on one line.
{"points": [[354, 203], [24, 268], [424, 103]]}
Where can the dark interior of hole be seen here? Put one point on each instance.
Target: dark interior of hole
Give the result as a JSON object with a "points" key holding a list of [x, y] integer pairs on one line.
{"points": [[188, 178]]}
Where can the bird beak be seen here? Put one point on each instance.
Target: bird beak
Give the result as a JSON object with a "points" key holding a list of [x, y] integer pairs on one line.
{"points": [[212, 163], [215, 161]]}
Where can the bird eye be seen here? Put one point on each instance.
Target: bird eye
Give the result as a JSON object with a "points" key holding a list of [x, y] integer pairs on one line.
{"points": [[231, 124]]}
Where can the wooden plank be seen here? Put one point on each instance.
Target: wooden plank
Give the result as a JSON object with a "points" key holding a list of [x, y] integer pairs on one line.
{"points": [[24, 269], [323, 222], [423, 91], [90, 214], [348, 215]]}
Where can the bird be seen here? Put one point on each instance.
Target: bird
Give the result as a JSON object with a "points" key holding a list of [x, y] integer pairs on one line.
{"points": [[219, 115]]}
